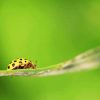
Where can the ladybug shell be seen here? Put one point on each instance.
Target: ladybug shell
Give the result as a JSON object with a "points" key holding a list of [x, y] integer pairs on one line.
{"points": [[21, 63]]}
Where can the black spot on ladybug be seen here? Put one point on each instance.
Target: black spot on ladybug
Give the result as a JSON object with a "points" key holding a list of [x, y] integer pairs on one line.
{"points": [[25, 60], [13, 64], [14, 60], [20, 61], [8, 67]]}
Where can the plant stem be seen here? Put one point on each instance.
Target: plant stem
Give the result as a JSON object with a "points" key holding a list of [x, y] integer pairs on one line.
{"points": [[88, 60]]}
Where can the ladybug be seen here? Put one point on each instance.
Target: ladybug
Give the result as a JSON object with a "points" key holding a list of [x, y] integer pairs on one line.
{"points": [[21, 63]]}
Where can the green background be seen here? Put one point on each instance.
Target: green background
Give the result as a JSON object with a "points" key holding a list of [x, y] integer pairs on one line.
{"points": [[50, 32]]}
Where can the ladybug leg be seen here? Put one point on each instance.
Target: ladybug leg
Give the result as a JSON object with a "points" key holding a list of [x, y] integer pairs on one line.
{"points": [[26, 66], [33, 66], [21, 67]]}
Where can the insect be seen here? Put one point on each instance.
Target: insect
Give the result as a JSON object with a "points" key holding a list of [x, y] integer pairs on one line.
{"points": [[21, 63]]}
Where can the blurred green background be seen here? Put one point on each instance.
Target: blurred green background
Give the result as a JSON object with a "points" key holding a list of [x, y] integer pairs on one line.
{"points": [[49, 31]]}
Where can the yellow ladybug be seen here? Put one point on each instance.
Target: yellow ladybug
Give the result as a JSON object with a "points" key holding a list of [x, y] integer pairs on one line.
{"points": [[21, 63]]}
